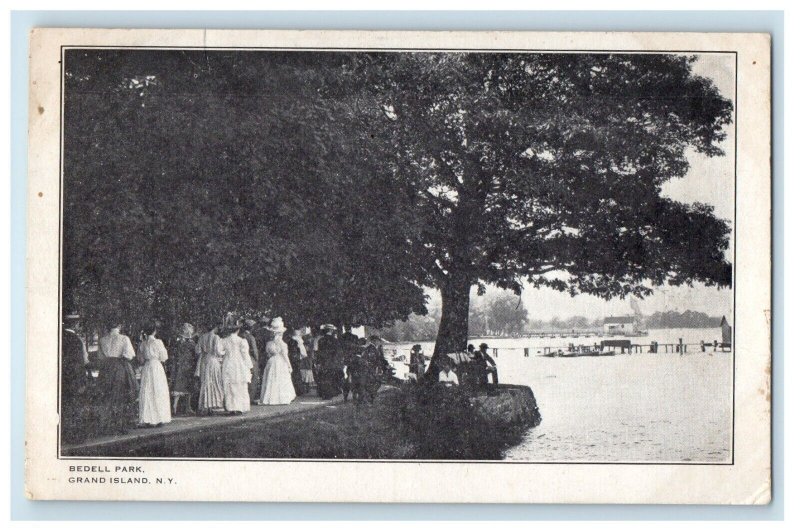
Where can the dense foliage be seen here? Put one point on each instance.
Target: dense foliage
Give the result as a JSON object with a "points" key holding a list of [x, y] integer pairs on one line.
{"points": [[332, 186], [549, 168], [195, 184]]}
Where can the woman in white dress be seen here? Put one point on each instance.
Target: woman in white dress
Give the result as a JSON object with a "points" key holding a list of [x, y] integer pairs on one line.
{"points": [[236, 367], [209, 370], [154, 406], [277, 387]]}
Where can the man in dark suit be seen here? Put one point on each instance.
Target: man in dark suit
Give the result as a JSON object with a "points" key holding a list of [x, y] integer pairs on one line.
{"points": [[485, 361], [73, 379], [330, 364]]}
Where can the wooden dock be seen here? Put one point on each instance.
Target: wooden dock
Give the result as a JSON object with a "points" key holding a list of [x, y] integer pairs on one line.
{"points": [[606, 347]]}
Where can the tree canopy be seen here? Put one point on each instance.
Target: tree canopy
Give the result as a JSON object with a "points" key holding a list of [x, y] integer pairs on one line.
{"points": [[334, 185], [549, 168]]}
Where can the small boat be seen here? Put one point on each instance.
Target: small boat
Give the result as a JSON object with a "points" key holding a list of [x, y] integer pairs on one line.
{"points": [[583, 352]]}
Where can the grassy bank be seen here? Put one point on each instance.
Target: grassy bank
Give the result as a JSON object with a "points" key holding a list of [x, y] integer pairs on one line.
{"points": [[403, 423]]}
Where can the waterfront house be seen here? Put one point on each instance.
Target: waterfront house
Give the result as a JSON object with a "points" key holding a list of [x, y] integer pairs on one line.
{"points": [[619, 326]]}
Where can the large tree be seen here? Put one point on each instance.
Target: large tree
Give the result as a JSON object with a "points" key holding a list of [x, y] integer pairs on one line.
{"points": [[547, 168], [332, 186]]}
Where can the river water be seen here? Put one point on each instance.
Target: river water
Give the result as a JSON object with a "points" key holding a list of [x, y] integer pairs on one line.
{"points": [[663, 407]]}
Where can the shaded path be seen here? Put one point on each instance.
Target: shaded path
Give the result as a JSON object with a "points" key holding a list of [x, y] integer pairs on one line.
{"points": [[193, 424]]}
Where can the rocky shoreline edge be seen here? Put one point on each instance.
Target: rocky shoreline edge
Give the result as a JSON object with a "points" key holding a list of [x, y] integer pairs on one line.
{"points": [[406, 422]]}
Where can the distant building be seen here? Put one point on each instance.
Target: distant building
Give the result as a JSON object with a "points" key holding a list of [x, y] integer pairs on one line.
{"points": [[619, 326]]}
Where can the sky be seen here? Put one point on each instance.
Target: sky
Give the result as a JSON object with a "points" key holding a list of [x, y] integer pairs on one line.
{"points": [[710, 181]]}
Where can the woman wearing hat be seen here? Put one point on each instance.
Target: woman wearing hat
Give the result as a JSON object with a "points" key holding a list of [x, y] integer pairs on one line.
{"points": [[277, 387], [183, 365]]}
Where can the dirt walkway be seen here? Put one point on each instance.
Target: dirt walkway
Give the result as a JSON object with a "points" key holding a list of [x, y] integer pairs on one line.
{"points": [[186, 424]]}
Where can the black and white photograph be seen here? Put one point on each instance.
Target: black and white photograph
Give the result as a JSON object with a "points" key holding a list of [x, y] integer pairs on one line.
{"points": [[398, 254]]}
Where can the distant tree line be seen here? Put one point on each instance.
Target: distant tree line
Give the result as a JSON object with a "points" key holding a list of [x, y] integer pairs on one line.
{"points": [[575, 322], [498, 314], [505, 315], [687, 319], [414, 328]]}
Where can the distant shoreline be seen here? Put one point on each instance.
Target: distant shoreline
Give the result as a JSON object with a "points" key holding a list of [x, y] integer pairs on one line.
{"points": [[577, 331]]}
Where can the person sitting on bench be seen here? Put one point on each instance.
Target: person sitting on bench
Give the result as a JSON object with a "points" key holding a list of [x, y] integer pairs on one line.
{"points": [[447, 377], [486, 364]]}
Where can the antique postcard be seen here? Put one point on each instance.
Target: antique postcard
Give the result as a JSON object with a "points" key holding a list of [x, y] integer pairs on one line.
{"points": [[344, 266]]}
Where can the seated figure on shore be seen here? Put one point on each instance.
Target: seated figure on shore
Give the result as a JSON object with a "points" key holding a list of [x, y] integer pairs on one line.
{"points": [[486, 365], [463, 364], [447, 376]]}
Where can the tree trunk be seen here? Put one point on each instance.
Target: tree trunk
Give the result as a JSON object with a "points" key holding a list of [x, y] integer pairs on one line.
{"points": [[453, 326]]}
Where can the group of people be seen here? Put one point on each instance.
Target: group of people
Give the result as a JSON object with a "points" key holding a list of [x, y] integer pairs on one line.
{"points": [[242, 364], [472, 367], [224, 369], [349, 364]]}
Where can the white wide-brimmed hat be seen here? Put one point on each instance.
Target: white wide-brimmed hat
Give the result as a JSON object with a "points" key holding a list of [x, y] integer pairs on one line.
{"points": [[277, 326], [327, 327]]}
